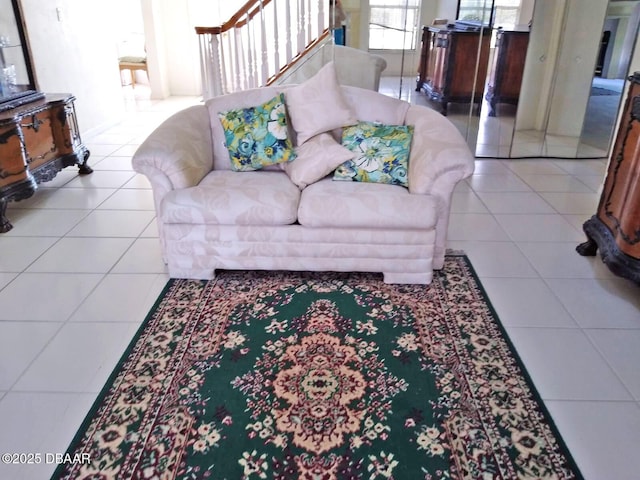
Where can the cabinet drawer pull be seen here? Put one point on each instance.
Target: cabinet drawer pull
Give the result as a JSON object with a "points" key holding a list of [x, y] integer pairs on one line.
{"points": [[35, 123]]}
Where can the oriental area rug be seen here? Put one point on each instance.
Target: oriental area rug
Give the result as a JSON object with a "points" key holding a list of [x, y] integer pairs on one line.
{"points": [[320, 376]]}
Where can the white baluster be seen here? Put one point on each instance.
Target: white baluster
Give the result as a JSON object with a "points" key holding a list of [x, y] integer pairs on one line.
{"points": [[224, 75], [276, 52], [241, 60], [288, 52], [232, 55], [216, 75], [320, 17], [301, 26], [309, 25], [264, 47], [251, 50]]}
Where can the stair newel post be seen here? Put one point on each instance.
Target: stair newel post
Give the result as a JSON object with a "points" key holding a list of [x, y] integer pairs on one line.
{"points": [[204, 65], [216, 73], [210, 64]]}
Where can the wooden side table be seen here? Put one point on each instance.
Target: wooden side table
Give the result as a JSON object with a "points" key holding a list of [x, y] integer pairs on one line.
{"points": [[37, 140]]}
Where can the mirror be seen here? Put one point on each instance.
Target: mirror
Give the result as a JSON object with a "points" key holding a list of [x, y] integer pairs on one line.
{"points": [[552, 86], [16, 73], [572, 82], [619, 35], [509, 45]]}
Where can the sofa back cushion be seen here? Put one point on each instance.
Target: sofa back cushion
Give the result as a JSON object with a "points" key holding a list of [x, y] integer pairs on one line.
{"points": [[372, 106], [367, 105]]}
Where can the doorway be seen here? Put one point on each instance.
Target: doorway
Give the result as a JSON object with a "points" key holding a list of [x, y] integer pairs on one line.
{"points": [[132, 53]]}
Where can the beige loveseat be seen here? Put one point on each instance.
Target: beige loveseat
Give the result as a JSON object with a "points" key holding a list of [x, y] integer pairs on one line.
{"points": [[211, 217]]}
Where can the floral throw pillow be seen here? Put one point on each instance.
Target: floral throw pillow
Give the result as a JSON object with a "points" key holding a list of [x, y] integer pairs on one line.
{"points": [[381, 153], [258, 136]]}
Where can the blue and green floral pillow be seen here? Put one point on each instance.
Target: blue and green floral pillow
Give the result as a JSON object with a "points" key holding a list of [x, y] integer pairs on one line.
{"points": [[258, 136], [382, 153]]}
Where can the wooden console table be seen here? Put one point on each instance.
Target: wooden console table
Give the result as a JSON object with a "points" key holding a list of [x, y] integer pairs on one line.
{"points": [[615, 228], [37, 140], [447, 58]]}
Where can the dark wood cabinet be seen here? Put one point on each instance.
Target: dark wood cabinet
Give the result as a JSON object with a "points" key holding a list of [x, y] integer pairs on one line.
{"points": [[447, 64], [505, 75], [615, 228], [37, 140]]}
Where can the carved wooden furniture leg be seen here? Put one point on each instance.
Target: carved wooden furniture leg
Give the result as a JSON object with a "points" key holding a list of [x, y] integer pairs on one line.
{"points": [[588, 248], [84, 168], [5, 224]]}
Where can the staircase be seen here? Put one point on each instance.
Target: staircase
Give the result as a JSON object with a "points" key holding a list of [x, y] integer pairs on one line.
{"points": [[262, 43]]}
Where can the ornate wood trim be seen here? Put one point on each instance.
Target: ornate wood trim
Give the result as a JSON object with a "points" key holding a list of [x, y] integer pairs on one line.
{"points": [[631, 238]]}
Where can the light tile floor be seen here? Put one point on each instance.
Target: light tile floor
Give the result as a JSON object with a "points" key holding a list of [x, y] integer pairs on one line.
{"points": [[82, 267]]}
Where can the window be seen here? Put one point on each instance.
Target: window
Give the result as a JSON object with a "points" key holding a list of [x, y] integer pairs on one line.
{"points": [[393, 24], [506, 13], [476, 11]]}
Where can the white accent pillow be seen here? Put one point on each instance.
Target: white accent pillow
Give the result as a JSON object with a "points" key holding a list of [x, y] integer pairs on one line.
{"points": [[316, 159], [318, 106]]}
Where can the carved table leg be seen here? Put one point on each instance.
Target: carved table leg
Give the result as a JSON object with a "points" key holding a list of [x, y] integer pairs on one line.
{"points": [[84, 168], [588, 248], [5, 224]]}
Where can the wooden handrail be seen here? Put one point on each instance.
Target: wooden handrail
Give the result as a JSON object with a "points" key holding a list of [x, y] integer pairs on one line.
{"points": [[298, 57], [237, 20], [247, 59]]}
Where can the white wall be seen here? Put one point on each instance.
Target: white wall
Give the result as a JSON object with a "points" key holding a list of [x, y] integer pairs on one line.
{"points": [[181, 47], [77, 54]]}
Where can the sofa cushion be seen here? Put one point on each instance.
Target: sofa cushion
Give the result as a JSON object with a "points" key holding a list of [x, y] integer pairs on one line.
{"points": [[317, 105], [372, 106], [381, 153], [257, 136], [365, 205], [234, 198], [316, 159]]}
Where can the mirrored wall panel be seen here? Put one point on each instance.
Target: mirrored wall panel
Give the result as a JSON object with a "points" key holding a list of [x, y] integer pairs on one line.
{"points": [[572, 70], [549, 75]]}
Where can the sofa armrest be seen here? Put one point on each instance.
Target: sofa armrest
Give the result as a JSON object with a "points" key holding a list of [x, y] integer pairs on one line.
{"points": [[438, 152], [179, 153], [439, 159]]}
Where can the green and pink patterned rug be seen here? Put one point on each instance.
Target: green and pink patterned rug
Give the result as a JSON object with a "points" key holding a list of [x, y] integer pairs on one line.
{"points": [[320, 376]]}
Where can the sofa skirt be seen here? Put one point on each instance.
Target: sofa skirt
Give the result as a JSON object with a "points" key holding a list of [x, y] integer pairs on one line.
{"points": [[197, 251]]}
